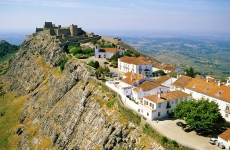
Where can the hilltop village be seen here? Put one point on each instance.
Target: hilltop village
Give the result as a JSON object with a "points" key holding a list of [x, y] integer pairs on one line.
{"points": [[134, 79]]}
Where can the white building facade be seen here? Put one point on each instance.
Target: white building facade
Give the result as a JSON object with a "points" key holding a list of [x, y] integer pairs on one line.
{"points": [[160, 105], [224, 139], [106, 52], [147, 88], [136, 65]]}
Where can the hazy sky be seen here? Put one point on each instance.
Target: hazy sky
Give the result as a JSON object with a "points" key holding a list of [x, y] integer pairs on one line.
{"points": [[118, 15]]}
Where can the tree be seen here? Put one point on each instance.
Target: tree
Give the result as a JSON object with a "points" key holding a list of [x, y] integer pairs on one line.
{"points": [[190, 72], [96, 64], [128, 53], [136, 54], [159, 72], [91, 63], [198, 113]]}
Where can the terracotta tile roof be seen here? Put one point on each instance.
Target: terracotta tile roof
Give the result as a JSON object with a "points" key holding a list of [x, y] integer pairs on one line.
{"points": [[146, 86], [209, 88], [182, 81], [108, 50], [159, 66], [170, 68], [131, 78], [225, 135], [167, 96], [134, 60], [162, 79], [164, 67]]}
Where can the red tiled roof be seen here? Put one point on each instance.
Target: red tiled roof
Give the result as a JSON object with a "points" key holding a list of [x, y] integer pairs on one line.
{"points": [[134, 60], [131, 78], [108, 50], [182, 81], [162, 79], [164, 67], [146, 86], [167, 96], [209, 88], [225, 135]]}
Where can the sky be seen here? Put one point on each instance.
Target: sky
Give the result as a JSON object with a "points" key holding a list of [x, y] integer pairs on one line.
{"points": [[118, 16]]}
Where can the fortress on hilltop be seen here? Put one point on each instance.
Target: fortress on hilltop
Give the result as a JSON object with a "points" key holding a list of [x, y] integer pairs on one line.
{"points": [[68, 34]]}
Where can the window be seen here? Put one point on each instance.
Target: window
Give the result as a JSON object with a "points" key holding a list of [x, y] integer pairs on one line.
{"points": [[194, 86], [104, 55], [218, 94], [176, 101], [226, 115], [186, 98], [159, 114], [147, 114], [159, 105], [141, 110], [138, 110]]}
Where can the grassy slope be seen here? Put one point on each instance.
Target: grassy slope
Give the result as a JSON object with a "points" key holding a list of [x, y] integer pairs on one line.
{"points": [[12, 108]]}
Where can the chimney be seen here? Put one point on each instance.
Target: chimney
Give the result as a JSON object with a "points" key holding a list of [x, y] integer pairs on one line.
{"points": [[219, 84], [159, 95]]}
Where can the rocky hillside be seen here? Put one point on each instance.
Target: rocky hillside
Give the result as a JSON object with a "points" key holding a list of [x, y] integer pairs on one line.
{"points": [[61, 110]]}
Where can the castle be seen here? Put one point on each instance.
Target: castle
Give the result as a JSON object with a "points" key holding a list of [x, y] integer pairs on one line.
{"points": [[67, 34]]}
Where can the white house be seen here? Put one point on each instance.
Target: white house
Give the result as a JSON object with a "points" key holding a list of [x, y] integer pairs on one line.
{"points": [[147, 88], [224, 139], [106, 52], [161, 104], [165, 80], [166, 68], [129, 80], [214, 91], [137, 65]]}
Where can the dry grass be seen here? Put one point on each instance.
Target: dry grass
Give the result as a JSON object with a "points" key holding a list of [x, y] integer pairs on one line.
{"points": [[45, 143], [13, 108]]}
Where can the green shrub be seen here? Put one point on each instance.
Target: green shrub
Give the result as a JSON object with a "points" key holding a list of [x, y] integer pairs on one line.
{"points": [[63, 63], [109, 104], [78, 56], [163, 140], [174, 143]]}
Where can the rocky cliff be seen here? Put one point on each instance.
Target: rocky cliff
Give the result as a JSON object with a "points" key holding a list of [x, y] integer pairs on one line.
{"points": [[65, 110]]}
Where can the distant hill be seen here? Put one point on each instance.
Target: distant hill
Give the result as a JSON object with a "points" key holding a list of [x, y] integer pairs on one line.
{"points": [[6, 50]]}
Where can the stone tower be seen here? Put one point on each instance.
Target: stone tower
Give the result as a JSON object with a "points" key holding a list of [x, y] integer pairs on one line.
{"points": [[73, 30]]}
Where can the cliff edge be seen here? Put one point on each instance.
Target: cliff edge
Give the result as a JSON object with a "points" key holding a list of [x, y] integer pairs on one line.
{"points": [[63, 110]]}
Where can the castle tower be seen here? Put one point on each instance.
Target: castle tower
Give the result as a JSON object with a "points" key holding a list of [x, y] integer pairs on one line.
{"points": [[73, 30]]}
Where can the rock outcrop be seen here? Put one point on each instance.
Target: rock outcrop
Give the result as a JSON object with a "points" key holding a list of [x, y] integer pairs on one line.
{"points": [[65, 110]]}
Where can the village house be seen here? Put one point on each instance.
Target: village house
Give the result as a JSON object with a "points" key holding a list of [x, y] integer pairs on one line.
{"points": [[107, 52], [137, 65], [166, 68], [129, 80], [224, 139], [160, 105], [147, 88], [180, 83], [214, 91], [166, 80]]}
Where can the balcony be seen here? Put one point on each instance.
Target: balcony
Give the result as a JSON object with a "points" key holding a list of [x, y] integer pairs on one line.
{"points": [[168, 106], [227, 111]]}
